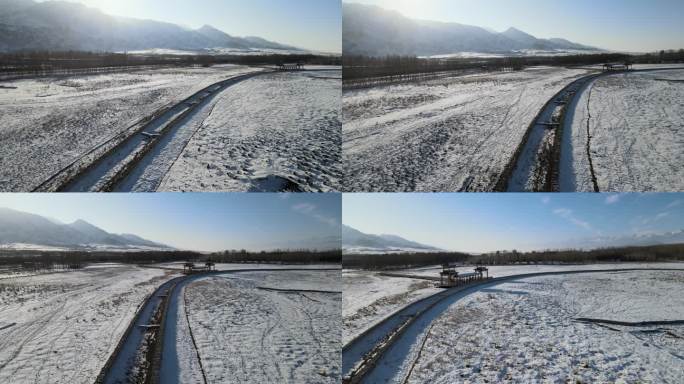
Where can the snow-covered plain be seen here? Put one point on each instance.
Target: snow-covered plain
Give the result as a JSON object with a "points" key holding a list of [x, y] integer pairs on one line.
{"points": [[454, 134], [62, 327], [635, 122], [46, 123], [513, 53], [276, 131], [510, 270], [368, 298], [524, 331], [247, 332], [239, 266]]}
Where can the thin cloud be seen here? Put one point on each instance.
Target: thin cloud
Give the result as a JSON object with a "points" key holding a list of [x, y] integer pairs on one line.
{"points": [[304, 207], [311, 210], [675, 203], [655, 218], [546, 200], [567, 214], [612, 199]]}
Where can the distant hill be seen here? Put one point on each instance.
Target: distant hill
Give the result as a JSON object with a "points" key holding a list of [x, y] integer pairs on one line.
{"points": [[674, 237], [373, 31], [60, 25], [354, 241], [26, 230]]}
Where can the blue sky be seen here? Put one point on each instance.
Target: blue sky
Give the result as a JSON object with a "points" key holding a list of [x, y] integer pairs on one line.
{"points": [[310, 24], [198, 221], [489, 222], [624, 25]]}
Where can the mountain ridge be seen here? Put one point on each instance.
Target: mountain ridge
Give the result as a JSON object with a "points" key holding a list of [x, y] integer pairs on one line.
{"points": [[17, 227], [356, 241], [374, 31], [60, 25], [635, 240]]}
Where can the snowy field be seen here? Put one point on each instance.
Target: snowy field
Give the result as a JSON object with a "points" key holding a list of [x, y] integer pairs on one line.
{"points": [[454, 134], [62, 327], [237, 266], [46, 123], [640, 66], [246, 331], [525, 331], [510, 270], [635, 122], [368, 298], [272, 132]]}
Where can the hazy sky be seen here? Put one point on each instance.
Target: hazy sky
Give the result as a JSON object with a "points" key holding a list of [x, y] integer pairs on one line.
{"points": [[625, 25], [489, 222], [198, 221], [310, 24]]}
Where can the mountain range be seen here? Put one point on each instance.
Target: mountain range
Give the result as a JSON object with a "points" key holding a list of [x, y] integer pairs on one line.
{"points": [[354, 241], [629, 240], [357, 242], [373, 31], [26, 230], [60, 26]]}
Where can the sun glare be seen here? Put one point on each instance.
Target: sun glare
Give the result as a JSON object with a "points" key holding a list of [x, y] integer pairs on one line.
{"points": [[409, 8], [112, 7]]}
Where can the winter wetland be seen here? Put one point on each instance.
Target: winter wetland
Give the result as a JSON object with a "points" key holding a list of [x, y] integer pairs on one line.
{"points": [[517, 131], [290, 132], [605, 327], [232, 298], [261, 327], [61, 327], [452, 134], [272, 129], [47, 123], [93, 102], [555, 299], [433, 102], [626, 130], [268, 322]]}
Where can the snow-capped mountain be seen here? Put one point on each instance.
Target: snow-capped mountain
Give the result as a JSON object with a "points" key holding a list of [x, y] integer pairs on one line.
{"points": [[373, 31], [60, 25], [675, 237], [354, 241], [520, 36], [320, 243], [21, 229]]}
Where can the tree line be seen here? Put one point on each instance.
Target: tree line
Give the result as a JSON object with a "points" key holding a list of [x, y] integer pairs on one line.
{"points": [[76, 259], [401, 260], [48, 260], [303, 256], [360, 67], [47, 62], [357, 68], [654, 253]]}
